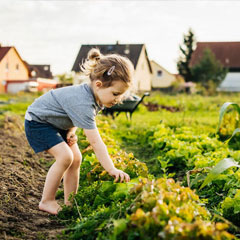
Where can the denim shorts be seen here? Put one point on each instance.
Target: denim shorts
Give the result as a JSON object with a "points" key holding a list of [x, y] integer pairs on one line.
{"points": [[43, 136]]}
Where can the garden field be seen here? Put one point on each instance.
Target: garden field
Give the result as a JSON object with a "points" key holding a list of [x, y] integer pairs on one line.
{"points": [[169, 148]]}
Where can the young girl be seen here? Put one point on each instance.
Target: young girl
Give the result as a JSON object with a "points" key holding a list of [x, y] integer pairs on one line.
{"points": [[52, 120]]}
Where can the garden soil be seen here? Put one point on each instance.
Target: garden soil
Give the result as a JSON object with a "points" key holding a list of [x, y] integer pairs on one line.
{"points": [[22, 176]]}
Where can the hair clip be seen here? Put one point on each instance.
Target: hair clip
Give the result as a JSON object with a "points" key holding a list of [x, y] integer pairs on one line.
{"points": [[110, 71]]}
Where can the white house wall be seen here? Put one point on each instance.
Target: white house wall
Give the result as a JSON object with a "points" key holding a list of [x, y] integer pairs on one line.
{"points": [[17, 87], [142, 76], [165, 80], [231, 83]]}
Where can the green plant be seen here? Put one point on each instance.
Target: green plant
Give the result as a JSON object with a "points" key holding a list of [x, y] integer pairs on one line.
{"points": [[223, 165], [164, 167], [229, 122], [231, 208], [187, 50], [209, 71], [162, 209]]}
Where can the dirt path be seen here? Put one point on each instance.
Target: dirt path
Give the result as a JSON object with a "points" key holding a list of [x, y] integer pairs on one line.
{"points": [[22, 175]]}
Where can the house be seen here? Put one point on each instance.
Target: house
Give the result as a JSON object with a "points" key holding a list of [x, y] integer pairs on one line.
{"points": [[161, 78], [17, 75], [228, 53], [137, 53], [43, 76], [40, 71], [12, 68]]}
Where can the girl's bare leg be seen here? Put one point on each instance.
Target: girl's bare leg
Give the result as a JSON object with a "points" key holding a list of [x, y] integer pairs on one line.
{"points": [[64, 158], [71, 176]]}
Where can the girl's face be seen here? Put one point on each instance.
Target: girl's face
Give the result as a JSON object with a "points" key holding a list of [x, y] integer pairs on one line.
{"points": [[112, 95]]}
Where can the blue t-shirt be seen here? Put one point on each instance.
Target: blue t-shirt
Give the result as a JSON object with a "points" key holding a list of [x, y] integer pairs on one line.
{"points": [[66, 107]]}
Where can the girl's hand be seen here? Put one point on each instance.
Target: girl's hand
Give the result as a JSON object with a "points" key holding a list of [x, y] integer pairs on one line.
{"points": [[71, 138], [116, 173]]}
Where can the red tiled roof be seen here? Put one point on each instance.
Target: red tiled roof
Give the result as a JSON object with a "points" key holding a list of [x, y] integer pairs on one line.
{"points": [[3, 51], [228, 53]]}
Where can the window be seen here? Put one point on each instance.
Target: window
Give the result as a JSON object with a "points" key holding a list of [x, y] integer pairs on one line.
{"points": [[7, 67], [159, 73], [45, 68], [33, 73], [17, 66], [127, 50]]}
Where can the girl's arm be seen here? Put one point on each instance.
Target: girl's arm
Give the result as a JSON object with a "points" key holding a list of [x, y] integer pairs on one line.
{"points": [[102, 155]]}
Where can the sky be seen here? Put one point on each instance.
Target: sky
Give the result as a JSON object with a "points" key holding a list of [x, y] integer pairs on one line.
{"points": [[51, 32]]}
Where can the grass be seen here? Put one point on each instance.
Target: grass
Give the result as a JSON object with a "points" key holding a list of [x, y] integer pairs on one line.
{"points": [[201, 120], [15, 104], [197, 111], [201, 113]]}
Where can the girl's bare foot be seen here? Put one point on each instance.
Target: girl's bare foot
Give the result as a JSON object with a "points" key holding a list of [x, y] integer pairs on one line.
{"points": [[68, 203], [50, 206]]}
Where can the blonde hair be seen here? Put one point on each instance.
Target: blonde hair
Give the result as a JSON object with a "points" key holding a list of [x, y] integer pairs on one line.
{"points": [[107, 68]]}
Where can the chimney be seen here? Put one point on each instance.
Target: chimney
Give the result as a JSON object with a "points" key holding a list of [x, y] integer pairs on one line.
{"points": [[117, 42]]}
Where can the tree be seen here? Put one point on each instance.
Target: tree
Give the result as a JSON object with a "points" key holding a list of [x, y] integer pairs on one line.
{"points": [[186, 50], [208, 70], [65, 78]]}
